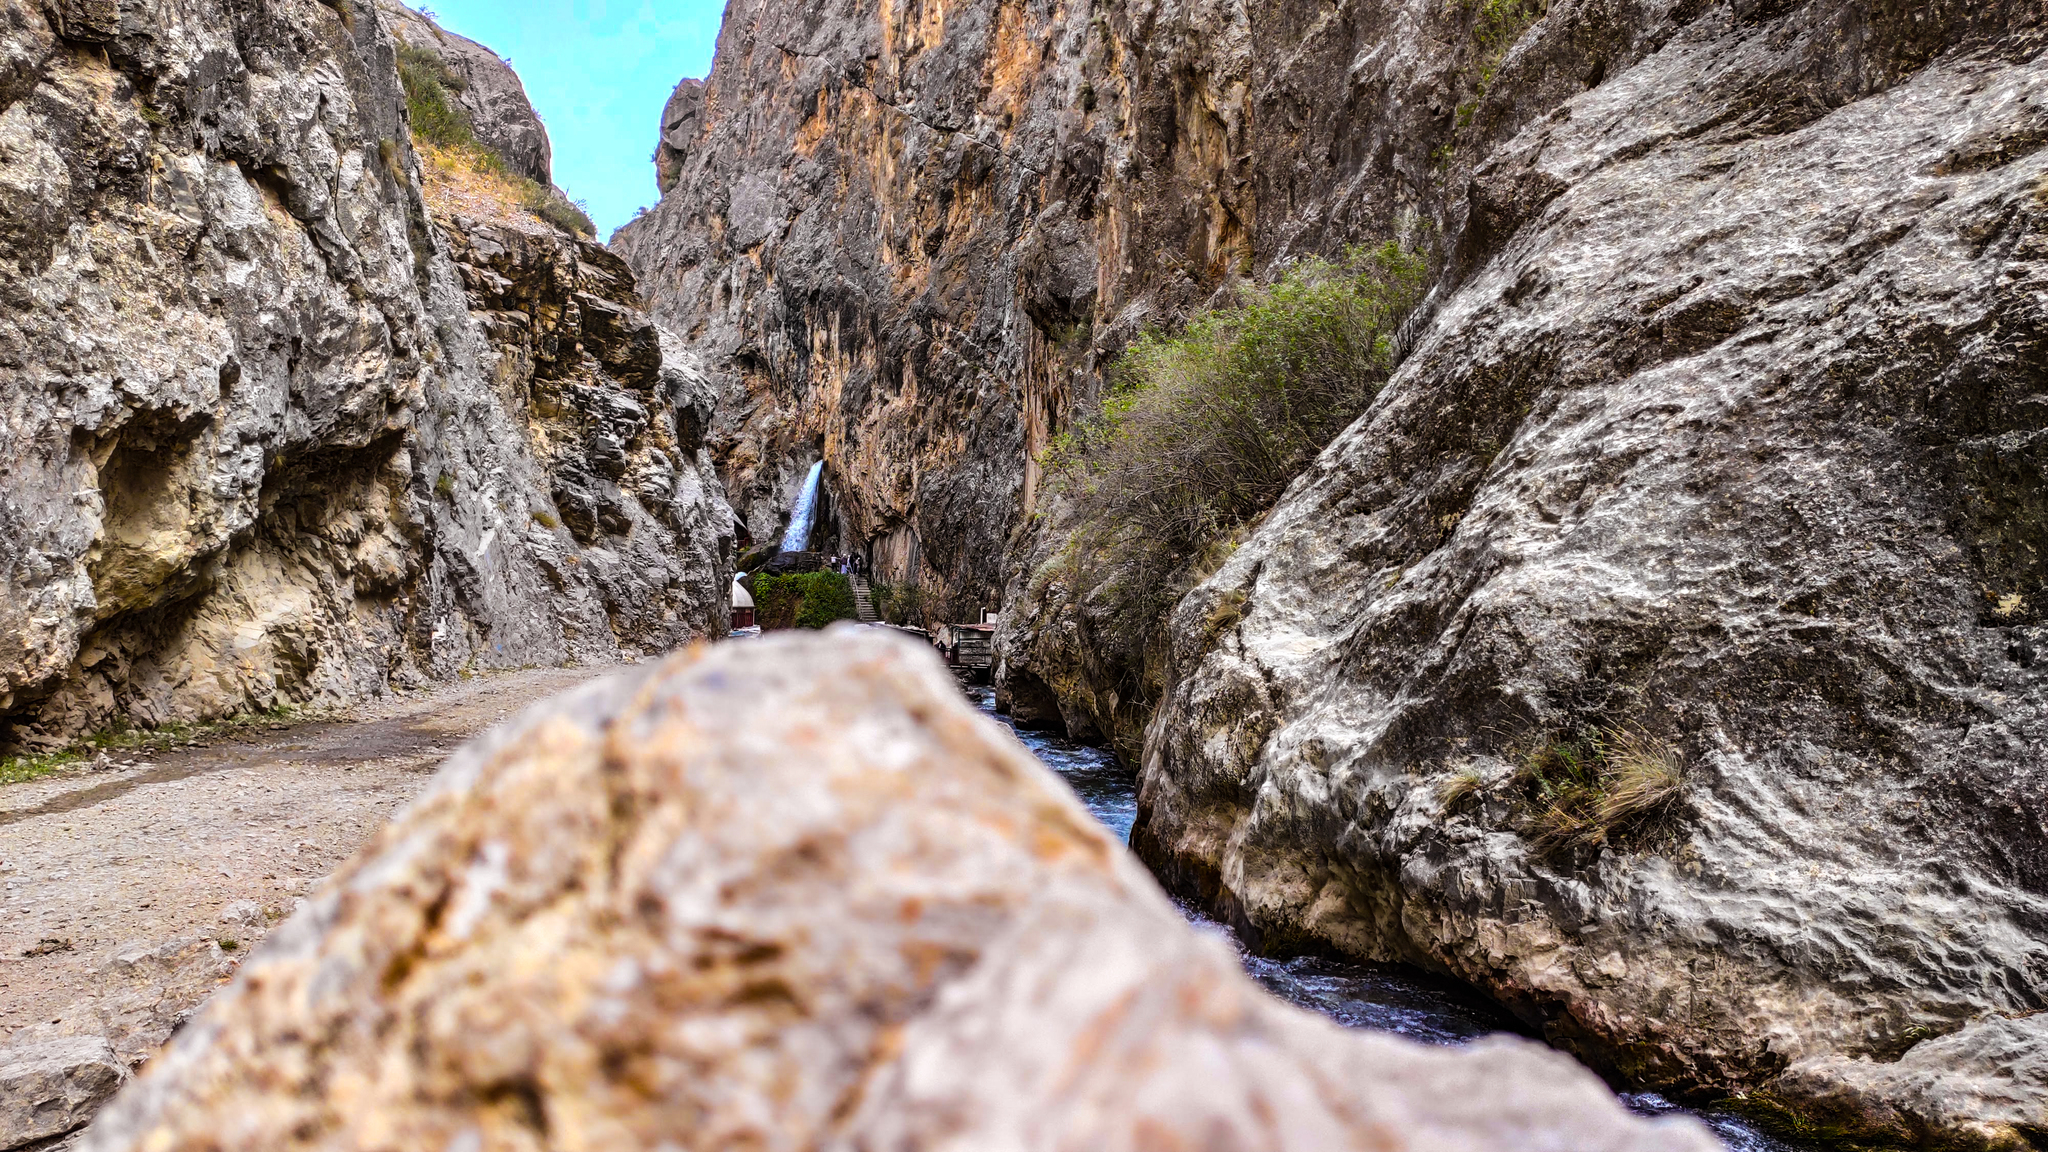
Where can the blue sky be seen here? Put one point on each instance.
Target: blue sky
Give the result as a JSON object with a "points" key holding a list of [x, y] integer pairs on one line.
{"points": [[598, 71]]}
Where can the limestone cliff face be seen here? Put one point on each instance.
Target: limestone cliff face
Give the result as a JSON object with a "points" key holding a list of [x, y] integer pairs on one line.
{"points": [[1728, 428], [256, 446], [1722, 424]]}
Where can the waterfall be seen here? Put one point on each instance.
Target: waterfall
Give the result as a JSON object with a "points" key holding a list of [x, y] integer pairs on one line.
{"points": [[799, 535]]}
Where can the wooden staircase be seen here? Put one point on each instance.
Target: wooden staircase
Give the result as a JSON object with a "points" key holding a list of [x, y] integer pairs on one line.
{"points": [[864, 601]]}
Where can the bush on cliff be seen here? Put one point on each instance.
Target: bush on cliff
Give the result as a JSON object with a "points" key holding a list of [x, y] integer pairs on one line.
{"points": [[899, 603], [802, 600], [443, 128], [1201, 431]]}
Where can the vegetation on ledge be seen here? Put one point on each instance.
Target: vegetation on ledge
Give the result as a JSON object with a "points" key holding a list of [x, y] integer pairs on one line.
{"points": [[442, 129], [1202, 430]]}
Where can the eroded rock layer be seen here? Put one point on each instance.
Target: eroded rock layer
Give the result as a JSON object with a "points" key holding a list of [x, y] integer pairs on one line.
{"points": [[254, 446], [795, 894]]}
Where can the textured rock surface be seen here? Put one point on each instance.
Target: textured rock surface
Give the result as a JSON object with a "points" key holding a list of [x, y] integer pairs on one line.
{"points": [[488, 90], [614, 411], [1724, 422], [254, 447], [1732, 428], [49, 1087], [789, 894]]}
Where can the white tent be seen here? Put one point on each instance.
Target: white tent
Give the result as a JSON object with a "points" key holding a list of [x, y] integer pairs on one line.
{"points": [[740, 597]]}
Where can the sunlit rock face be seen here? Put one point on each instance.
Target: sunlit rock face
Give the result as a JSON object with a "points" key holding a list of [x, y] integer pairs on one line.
{"points": [[896, 235], [794, 893], [257, 447], [1730, 430], [1723, 424]]}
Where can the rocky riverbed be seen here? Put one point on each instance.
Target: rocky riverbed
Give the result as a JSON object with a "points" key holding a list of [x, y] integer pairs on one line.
{"points": [[1381, 997]]}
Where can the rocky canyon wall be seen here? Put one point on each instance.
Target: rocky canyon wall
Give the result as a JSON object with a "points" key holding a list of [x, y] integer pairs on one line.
{"points": [[883, 227], [277, 431], [1725, 439], [1720, 435]]}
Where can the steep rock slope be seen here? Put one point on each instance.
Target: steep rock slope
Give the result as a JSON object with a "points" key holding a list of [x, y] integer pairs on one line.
{"points": [[1730, 433], [1720, 427], [795, 894], [255, 446]]}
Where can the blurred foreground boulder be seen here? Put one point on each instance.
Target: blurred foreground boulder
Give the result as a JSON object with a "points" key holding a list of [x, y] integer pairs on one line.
{"points": [[794, 893]]}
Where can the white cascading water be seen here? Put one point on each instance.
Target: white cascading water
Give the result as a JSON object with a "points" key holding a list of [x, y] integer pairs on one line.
{"points": [[799, 535]]}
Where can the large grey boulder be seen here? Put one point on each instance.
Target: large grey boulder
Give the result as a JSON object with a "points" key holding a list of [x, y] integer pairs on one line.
{"points": [[795, 894]]}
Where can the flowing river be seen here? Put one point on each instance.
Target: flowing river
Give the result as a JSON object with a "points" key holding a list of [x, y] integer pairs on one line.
{"points": [[1387, 997]]}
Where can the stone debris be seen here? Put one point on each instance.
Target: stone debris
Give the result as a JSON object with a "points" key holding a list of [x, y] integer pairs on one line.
{"points": [[50, 1086], [243, 914], [795, 894]]}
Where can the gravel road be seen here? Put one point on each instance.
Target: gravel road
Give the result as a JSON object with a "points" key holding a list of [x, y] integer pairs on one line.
{"points": [[128, 894]]}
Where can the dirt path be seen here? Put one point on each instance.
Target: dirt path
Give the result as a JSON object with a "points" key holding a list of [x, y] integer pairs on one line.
{"points": [[127, 895]]}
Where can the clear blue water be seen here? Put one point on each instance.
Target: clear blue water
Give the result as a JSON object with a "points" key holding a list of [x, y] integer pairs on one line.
{"points": [[1385, 997]]}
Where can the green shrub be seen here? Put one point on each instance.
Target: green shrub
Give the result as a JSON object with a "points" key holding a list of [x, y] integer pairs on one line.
{"points": [[1203, 430], [436, 118], [802, 600], [1496, 26], [898, 603], [555, 208]]}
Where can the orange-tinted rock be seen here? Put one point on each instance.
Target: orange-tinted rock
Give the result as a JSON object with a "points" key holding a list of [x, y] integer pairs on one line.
{"points": [[793, 894]]}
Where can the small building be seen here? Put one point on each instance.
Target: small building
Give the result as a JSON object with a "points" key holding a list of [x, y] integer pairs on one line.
{"points": [[969, 648], [742, 607]]}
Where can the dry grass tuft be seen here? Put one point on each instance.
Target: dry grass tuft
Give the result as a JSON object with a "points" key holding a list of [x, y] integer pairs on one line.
{"points": [[1226, 613], [1597, 784], [1460, 788], [463, 172]]}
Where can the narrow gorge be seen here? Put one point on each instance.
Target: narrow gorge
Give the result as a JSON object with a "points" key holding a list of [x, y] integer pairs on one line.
{"points": [[1719, 432], [1548, 494]]}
